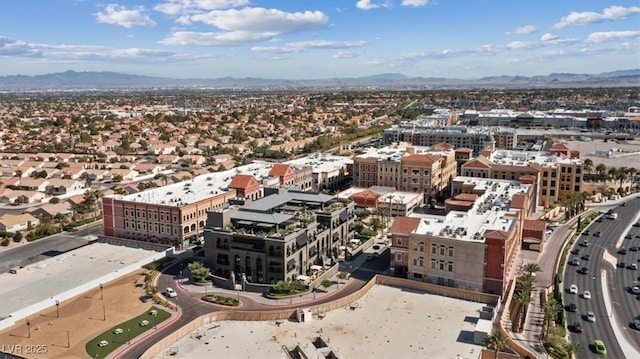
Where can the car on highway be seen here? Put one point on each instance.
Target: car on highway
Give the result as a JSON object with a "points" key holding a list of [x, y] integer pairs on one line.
{"points": [[628, 236], [599, 220], [598, 234], [584, 270], [575, 251], [633, 266], [636, 324], [572, 307], [586, 294], [637, 224], [620, 264], [577, 326], [633, 249], [591, 316], [586, 233], [622, 250], [585, 243], [586, 257], [575, 262], [573, 289], [599, 346], [635, 289]]}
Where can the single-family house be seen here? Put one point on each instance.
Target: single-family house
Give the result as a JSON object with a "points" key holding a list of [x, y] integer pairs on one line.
{"points": [[17, 222]]}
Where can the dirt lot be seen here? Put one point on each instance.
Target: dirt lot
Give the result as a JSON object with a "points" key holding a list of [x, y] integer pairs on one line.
{"points": [[629, 157], [83, 317]]}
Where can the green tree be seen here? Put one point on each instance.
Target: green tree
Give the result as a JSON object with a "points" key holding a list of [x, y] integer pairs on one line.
{"points": [[572, 348], [496, 341], [588, 165], [199, 272], [550, 310], [531, 268], [601, 169], [54, 200], [523, 299]]}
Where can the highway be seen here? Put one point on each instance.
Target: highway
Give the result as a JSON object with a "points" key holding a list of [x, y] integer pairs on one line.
{"points": [[626, 304], [601, 329]]}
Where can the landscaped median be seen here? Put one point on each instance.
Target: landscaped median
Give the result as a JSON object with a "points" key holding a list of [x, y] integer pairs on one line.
{"points": [[123, 333]]}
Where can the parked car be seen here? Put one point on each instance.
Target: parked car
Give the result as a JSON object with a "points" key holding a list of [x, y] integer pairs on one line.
{"points": [[577, 326], [586, 294], [573, 289], [591, 316], [600, 348]]}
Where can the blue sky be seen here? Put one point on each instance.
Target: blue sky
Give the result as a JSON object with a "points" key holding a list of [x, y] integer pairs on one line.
{"points": [[311, 39]]}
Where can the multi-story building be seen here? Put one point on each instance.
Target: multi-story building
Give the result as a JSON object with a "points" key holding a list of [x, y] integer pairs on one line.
{"points": [[176, 214], [406, 168], [554, 174], [475, 244], [329, 173], [278, 237], [419, 134]]}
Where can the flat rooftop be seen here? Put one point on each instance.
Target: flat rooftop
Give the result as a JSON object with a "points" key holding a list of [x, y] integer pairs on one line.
{"points": [[523, 158], [322, 162], [56, 275], [490, 211], [388, 322]]}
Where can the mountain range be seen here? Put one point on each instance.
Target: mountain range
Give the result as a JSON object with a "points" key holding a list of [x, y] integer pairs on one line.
{"points": [[73, 80]]}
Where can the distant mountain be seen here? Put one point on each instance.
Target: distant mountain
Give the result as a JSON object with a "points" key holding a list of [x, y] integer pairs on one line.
{"points": [[72, 80]]}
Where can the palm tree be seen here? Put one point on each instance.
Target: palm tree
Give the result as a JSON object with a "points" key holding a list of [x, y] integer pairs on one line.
{"points": [[523, 298], [611, 173], [572, 348], [497, 341], [601, 169], [551, 309], [621, 174], [531, 268], [588, 166]]}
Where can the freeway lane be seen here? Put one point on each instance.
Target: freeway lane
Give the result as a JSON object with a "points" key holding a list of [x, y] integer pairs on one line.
{"points": [[626, 305], [601, 329]]}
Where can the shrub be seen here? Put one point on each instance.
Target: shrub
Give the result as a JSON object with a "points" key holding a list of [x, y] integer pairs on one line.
{"points": [[327, 283], [5, 242], [218, 299], [283, 288]]}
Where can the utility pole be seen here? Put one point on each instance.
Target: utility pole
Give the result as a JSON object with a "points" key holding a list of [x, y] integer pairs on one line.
{"points": [[57, 308]]}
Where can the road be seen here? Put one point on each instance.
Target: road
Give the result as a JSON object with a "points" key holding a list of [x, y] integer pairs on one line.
{"points": [[626, 304], [192, 307], [601, 329], [44, 248]]}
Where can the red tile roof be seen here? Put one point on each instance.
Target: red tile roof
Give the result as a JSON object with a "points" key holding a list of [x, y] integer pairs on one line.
{"points": [[243, 181], [535, 225], [280, 170], [404, 225]]}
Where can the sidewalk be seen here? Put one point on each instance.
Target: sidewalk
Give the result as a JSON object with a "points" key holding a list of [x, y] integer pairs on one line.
{"points": [[547, 260]]}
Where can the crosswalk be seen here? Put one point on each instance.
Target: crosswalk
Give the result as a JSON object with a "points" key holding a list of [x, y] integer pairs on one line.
{"points": [[371, 270]]}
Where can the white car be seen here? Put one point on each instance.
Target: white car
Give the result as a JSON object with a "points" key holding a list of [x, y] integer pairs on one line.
{"points": [[171, 293], [573, 289], [586, 294], [635, 289], [591, 317]]}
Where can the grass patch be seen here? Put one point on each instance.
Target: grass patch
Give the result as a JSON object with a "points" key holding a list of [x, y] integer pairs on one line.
{"points": [[130, 330], [288, 288], [221, 300]]}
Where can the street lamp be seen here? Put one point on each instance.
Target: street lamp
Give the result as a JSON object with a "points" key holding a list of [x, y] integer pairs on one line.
{"points": [[28, 328], [68, 340], [129, 336], [57, 308], [101, 295], [104, 313]]}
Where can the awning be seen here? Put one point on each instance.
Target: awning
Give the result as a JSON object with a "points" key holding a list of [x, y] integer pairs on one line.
{"points": [[343, 216], [302, 239], [316, 267], [342, 248], [355, 241], [302, 277]]}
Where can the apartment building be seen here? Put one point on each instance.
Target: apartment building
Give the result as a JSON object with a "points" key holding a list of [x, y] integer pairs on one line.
{"points": [[472, 248], [176, 214], [277, 237], [407, 168], [554, 174], [328, 172], [419, 134]]}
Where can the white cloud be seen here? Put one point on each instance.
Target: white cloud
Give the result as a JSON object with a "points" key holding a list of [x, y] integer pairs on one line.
{"points": [[215, 38], [366, 5], [10, 47], [598, 37], [262, 20], [179, 7], [548, 37], [119, 15], [346, 54], [517, 45], [294, 47], [414, 3], [611, 13], [524, 30]]}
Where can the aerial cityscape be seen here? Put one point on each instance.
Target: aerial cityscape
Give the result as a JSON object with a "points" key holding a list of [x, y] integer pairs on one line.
{"points": [[320, 179]]}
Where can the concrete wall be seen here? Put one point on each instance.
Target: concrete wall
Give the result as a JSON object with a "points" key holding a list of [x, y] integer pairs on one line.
{"points": [[136, 244], [93, 284]]}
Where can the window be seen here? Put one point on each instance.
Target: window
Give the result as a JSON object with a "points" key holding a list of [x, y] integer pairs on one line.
{"points": [[434, 249], [441, 265], [415, 246], [434, 264], [450, 251], [442, 249], [398, 257], [450, 266], [421, 247]]}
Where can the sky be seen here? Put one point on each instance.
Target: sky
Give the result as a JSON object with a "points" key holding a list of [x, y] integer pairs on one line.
{"points": [[319, 39]]}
